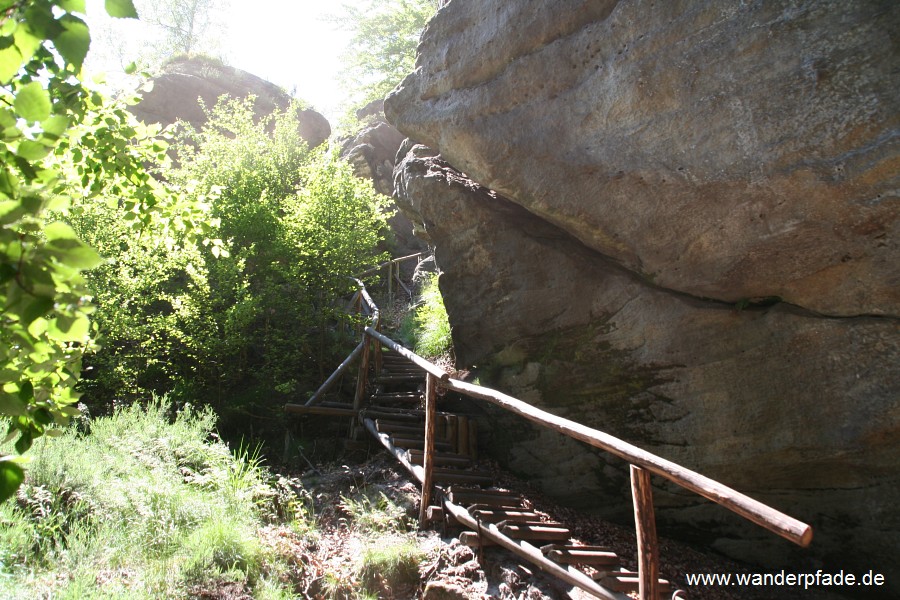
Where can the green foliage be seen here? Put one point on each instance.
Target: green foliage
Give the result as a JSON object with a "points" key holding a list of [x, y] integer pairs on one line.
{"points": [[390, 560], [60, 144], [143, 506], [382, 50], [390, 553], [231, 323], [376, 513], [427, 327]]}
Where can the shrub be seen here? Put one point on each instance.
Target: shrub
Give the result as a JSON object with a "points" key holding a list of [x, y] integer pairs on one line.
{"points": [[427, 326], [149, 502]]}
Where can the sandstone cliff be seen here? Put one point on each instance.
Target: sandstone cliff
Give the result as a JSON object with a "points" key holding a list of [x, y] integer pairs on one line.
{"points": [[686, 236], [373, 151], [176, 89]]}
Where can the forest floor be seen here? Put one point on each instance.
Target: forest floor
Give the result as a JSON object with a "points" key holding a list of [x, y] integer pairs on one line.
{"points": [[446, 569]]}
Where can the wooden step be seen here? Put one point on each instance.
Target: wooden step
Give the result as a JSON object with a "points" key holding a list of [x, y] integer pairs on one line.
{"points": [[451, 476], [596, 556], [391, 413], [397, 396], [417, 443], [400, 378], [417, 457], [628, 582], [405, 428], [497, 515], [535, 532], [485, 498]]}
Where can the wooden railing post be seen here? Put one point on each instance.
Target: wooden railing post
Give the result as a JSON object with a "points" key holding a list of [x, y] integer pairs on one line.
{"points": [[390, 282], [428, 458], [362, 377], [645, 528], [379, 362]]}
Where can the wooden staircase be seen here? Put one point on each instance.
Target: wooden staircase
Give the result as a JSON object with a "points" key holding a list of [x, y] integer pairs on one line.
{"points": [[400, 390], [396, 401]]}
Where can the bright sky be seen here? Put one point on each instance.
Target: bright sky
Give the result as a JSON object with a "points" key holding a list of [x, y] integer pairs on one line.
{"points": [[284, 41]]}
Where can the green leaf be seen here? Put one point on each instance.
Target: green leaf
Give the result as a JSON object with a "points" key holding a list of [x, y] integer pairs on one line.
{"points": [[26, 391], [11, 477], [27, 43], [30, 150], [11, 211], [32, 102], [42, 416], [37, 308], [121, 9], [60, 231], [131, 68], [40, 20], [10, 61], [12, 405], [55, 125], [75, 254], [70, 411], [69, 329], [73, 5], [73, 43], [22, 445]]}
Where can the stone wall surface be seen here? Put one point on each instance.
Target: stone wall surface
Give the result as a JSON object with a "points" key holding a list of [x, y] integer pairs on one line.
{"points": [[677, 222], [176, 90], [373, 151], [728, 150]]}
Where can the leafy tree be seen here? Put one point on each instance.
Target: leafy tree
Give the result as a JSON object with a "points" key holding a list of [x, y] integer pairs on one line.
{"points": [[189, 26], [231, 325], [382, 50], [60, 145]]}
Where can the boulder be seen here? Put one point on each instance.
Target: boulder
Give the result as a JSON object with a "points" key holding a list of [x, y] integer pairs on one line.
{"points": [[677, 222], [734, 151], [373, 151], [795, 409], [184, 80]]}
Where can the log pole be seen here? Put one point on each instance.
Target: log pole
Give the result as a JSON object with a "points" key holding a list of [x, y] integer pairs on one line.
{"points": [[645, 528], [363, 374], [428, 458]]}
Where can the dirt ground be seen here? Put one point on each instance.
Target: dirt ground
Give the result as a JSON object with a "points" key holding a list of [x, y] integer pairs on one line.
{"points": [[453, 571]]}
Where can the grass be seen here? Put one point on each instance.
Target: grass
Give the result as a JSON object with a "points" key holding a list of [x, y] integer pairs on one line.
{"points": [[427, 326], [141, 505], [390, 553]]}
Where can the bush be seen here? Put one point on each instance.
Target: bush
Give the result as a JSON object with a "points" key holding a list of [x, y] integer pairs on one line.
{"points": [[232, 323], [144, 503], [427, 327]]}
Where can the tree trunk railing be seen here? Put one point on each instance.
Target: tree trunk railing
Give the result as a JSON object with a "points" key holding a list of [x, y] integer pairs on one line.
{"points": [[642, 463]]}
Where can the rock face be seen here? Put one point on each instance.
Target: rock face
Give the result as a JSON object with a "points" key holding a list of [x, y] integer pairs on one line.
{"points": [[373, 152], [175, 92], [657, 178], [725, 150]]}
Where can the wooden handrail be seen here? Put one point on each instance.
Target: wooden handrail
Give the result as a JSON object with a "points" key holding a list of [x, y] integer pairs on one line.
{"points": [[642, 462], [409, 355], [787, 527], [394, 261], [334, 376]]}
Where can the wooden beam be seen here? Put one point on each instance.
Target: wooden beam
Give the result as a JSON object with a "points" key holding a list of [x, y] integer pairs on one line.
{"points": [[377, 268], [334, 376], [400, 454], [775, 521], [362, 374], [530, 553], [409, 355], [328, 411], [645, 529], [428, 462]]}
